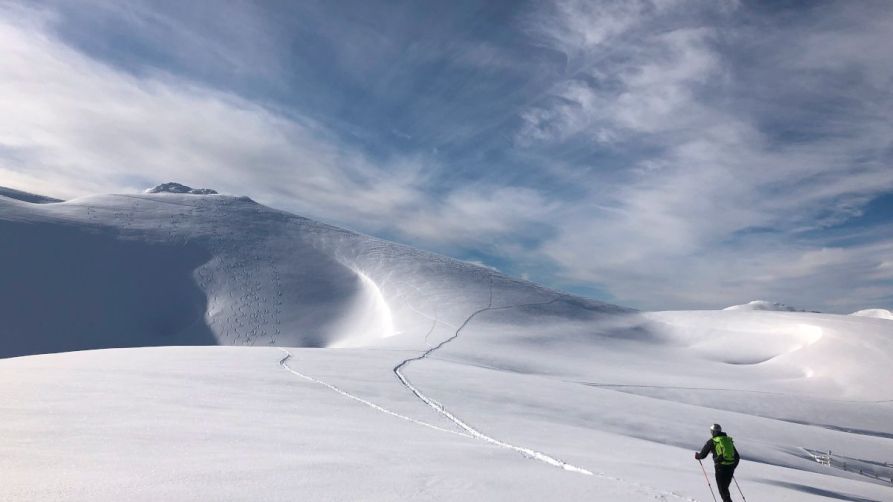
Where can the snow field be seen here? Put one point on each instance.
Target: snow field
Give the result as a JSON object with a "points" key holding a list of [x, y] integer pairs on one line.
{"points": [[428, 378]]}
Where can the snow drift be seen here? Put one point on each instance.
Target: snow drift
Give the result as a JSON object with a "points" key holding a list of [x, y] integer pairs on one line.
{"points": [[876, 313]]}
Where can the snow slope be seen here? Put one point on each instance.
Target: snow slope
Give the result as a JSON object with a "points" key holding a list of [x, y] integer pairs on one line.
{"points": [[452, 382], [12, 193], [251, 423], [182, 269]]}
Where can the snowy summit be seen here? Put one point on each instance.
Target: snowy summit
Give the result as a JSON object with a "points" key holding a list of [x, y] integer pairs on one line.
{"points": [[172, 187]]}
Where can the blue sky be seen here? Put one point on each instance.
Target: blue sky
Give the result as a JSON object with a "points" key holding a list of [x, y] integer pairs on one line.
{"points": [[656, 154]]}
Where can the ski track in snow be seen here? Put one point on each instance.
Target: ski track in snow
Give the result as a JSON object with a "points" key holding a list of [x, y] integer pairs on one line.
{"points": [[439, 408], [657, 494], [284, 364], [469, 431]]}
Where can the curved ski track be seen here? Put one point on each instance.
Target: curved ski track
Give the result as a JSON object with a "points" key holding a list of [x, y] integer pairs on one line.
{"points": [[469, 431], [284, 364], [439, 408]]}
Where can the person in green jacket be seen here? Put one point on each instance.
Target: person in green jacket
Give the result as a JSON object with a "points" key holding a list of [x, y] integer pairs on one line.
{"points": [[725, 459]]}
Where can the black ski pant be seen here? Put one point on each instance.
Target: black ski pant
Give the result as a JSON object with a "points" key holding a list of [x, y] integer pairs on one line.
{"points": [[724, 475]]}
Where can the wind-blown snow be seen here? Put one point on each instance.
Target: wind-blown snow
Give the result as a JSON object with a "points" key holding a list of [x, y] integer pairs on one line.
{"points": [[460, 383], [764, 305], [369, 320]]}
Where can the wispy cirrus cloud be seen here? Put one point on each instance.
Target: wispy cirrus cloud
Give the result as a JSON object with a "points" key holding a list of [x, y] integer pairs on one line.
{"points": [[706, 158]]}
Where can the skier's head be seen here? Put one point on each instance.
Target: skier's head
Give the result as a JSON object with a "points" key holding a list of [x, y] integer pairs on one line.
{"points": [[715, 429]]}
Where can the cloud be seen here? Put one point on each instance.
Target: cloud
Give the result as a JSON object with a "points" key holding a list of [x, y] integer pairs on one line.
{"points": [[232, 39], [479, 215], [703, 166]]}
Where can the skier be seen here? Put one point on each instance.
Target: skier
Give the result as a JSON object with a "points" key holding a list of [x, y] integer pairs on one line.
{"points": [[725, 459]]}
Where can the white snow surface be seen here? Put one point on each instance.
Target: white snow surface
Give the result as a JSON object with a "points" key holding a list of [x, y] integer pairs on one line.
{"points": [[764, 305], [358, 369], [877, 313]]}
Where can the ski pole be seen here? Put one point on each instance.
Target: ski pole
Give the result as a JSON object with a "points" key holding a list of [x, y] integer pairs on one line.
{"points": [[708, 480], [739, 489]]}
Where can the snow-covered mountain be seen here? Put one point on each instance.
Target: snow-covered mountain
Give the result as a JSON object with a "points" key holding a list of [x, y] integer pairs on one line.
{"points": [[359, 369], [172, 187], [183, 269]]}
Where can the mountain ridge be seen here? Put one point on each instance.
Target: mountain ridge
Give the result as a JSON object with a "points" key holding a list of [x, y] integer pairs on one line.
{"points": [[258, 276]]}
